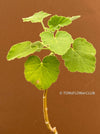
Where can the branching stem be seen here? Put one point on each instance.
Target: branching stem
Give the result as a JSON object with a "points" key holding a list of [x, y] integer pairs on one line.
{"points": [[45, 111]]}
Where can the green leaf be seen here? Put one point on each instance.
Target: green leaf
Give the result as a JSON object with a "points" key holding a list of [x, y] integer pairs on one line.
{"points": [[81, 57], [37, 17], [23, 49], [41, 74], [75, 17], [58, 44], [38, 45], [56, 22]]}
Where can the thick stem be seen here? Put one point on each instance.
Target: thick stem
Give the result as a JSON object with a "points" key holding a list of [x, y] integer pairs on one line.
{"points": [[45, 111]]}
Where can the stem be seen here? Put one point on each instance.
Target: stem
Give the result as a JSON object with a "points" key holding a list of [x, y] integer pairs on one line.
{"points": [[52, 53], [43, 26], [45, 111]]}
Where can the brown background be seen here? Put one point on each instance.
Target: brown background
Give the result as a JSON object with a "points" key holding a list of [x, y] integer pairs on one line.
{"points": [[20, 102]]}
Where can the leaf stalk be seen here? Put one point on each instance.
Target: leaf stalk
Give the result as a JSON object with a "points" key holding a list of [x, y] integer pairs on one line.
{"points": [[43, 26]]}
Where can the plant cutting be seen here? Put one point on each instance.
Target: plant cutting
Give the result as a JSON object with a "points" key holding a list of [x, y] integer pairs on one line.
{"points": [[78, 55]]}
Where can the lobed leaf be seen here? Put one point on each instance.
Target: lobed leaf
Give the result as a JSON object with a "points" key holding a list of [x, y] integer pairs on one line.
{"points": [[41, 74], [58, 44], [23, 49], [37, 17], [56, 22], [81, 57]]}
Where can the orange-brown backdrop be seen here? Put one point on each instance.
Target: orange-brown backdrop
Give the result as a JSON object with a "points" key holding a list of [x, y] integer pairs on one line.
{"points": [[20, 102]]}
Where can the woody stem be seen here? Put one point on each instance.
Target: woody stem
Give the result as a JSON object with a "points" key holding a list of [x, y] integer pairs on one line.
{"points": [[45, 111]]}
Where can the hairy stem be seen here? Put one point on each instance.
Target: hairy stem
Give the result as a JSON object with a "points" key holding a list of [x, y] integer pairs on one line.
{"points": [[45, 111]]}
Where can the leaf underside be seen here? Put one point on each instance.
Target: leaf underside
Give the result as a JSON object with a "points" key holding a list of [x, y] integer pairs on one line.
{"points": [[23, 49], [81, 57], [41, 74]]}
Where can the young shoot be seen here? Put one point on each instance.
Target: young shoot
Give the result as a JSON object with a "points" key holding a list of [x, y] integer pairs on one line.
{"points": [[78, 55]]}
